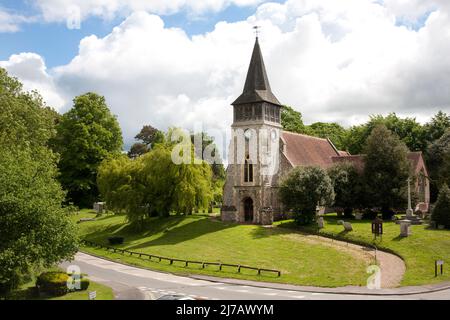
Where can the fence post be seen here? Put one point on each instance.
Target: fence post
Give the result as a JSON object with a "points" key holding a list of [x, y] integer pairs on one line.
{"points": [[239, 269]]}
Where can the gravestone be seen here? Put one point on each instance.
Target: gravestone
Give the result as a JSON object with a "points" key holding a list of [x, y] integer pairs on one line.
{"points": [[99, 207], [348, 226], [320, 223], [359, 215], [405, 228]]}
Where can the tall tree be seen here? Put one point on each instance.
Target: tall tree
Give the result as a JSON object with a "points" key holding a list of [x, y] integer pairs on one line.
{"points": [[153, 185], [333, 131], [441, 211], [407, 129], [148, 137], [438, 125], [87, 134], [138, 149], [438, 158], [35, 230], [292, 120], [386, 170], [347, 186]]}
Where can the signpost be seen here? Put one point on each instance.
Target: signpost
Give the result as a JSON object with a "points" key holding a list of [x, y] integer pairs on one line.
{"points": [[92, 295], [377, 228], [436, 265]]}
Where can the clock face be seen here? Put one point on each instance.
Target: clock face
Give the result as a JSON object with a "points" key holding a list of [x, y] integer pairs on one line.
{"points": [[274, 135], [248, 134]]}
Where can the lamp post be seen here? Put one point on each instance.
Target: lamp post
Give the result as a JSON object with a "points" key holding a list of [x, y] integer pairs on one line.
{"points": [[409, 212]]}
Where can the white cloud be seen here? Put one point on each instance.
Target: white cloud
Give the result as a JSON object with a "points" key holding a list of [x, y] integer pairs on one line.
{"points": [[56, 10], [30, 69], [332, 62], [10, 22]]}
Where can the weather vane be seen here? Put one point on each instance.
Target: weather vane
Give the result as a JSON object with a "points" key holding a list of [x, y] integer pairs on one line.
{"points": [[257, 28]]}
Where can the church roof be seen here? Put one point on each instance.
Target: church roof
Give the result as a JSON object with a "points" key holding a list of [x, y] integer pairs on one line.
{"points": [[303, 150], [257, 87], [415, 158]]}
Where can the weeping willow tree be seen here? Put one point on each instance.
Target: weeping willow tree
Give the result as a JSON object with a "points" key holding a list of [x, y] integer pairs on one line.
{"points": [[168, 179]]}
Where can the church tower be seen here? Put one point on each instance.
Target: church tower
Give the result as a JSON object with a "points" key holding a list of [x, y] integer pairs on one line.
{"points": [[250, 193]]}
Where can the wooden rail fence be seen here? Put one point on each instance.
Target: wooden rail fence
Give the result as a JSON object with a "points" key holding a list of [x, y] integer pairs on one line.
{"points": [[152, 257]]}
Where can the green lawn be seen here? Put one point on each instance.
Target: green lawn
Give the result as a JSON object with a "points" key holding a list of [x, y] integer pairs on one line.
{"points": [[199, 237], [419, 251]]}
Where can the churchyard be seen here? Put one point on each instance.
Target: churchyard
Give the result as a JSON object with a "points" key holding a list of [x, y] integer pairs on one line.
{"points": [[283, 247], [419, 251]]}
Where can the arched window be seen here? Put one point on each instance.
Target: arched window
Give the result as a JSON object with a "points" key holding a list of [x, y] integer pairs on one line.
{"points": [[248, 170]]}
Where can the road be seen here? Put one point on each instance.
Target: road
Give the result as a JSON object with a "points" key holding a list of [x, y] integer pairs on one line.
{"points": [[130, 283]]}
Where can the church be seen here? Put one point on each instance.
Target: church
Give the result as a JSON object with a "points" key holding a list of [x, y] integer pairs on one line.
{"points": [[261, 153]]}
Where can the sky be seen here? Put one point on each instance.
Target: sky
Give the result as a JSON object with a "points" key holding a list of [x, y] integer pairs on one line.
{"points": [[182, 62]]}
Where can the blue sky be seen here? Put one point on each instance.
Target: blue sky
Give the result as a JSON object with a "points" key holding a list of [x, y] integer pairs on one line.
{"points": [[333, 60], [58, 45]]}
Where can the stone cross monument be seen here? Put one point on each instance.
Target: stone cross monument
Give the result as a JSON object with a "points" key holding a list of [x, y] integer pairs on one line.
{"points": [[409, 212]]}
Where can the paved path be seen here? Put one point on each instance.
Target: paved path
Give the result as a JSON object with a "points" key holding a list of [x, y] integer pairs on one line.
{"points": [[135, 283]]}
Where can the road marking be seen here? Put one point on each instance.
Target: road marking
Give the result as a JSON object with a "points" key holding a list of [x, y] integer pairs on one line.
{"points": [[270, 294], [299, 297]]}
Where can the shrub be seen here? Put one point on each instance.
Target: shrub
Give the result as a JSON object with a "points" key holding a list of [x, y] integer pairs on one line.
{"points": [[115, 240], [84, 283], [347, 186], [302, 189], [441, 210], [370, 214], [53, 283]]}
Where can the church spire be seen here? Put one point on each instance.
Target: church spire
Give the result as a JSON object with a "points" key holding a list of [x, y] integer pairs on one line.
{"points": [[257, 87]]}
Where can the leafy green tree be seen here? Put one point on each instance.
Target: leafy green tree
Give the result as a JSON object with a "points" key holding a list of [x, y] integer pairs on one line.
{"points": [[355, 139], [441, 210], [87, 134], [408, 130], [34, 228], [303, 189], [36, 231], [119, 183], [437, 158], [436, 128], [208, 142], [138, 149], [148, 137], [217, 167], [24, 117], [386, 170], [180, 188], [347, 187], [292, 120], [153, 185], [333, 131]]}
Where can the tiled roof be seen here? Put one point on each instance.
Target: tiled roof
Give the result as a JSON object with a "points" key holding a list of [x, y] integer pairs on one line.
{"points": [[415, 158], [303, 150], [357, 161]]}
